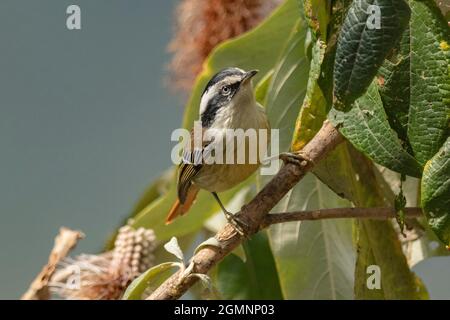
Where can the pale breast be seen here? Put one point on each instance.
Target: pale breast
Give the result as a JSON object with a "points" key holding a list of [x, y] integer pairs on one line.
{"points": [[221, 177], [218, 178]]}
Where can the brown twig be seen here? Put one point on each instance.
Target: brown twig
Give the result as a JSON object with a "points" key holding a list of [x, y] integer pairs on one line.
{"points": [[65, 241], [252, 214], [337, 213]]}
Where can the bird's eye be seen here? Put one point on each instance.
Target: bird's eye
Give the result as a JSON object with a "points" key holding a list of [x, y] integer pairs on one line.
{"points": [[226, 90]]}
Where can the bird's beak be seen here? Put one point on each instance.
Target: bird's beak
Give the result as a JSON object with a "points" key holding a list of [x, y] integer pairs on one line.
{"points": [[249, 75]]}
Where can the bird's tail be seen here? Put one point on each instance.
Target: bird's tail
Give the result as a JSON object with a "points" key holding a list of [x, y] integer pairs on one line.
{"points": [[178, 209]]}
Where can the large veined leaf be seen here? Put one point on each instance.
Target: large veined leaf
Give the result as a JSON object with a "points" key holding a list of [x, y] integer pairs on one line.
{"points": [[256, 278], [415, 82], [360, 184], [370, 30], [334, 170], [257, 49], [288, 86], [314, 259], [436, 192], [350, 174], [367, 128], [430, 80], [394, 87], [416, 93]]}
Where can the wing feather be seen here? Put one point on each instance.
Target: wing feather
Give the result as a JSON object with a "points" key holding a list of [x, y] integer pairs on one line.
{"points": [[189, 168]]}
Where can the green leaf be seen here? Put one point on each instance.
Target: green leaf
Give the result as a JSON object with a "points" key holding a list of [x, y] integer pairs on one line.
{"points": [[335, 169], [350, 174], [288, 86], [154, 215], [380, 246], [363, 46], [262, 87], [137, 288], [256, 278], [257, 49], [314, 106], [415, 82], [317, 13], [429, 113], [156, 190], [367, 128], [314, 259], [365, 259], [394, 87], [436, 193]]}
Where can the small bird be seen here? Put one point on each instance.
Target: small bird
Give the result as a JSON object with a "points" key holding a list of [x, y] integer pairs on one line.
{"points": [[227, 102]]}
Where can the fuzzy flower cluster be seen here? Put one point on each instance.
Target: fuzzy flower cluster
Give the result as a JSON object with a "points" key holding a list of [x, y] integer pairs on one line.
{"points": [[201, 25], [106, 276]]}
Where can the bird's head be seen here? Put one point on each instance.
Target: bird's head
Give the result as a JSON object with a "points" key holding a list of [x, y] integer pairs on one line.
{"points": [[230, 88]]}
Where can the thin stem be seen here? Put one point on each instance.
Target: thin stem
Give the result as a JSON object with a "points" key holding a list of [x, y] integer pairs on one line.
{"points": [[337, 213]]}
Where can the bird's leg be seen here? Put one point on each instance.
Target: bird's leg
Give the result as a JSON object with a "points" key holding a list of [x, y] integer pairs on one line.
{"points": [[237, 223], [298, 158]]}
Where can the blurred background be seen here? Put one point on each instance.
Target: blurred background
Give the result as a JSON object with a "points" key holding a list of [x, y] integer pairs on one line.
{"points": [[85, 126], [85, 123]]}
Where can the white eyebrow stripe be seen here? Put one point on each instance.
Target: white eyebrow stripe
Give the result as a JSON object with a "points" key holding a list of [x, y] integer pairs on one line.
{"points": [[205, 99], [215, 89]]}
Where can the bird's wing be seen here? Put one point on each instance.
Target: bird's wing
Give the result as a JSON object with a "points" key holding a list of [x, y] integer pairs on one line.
{"points": [[190, 165]]}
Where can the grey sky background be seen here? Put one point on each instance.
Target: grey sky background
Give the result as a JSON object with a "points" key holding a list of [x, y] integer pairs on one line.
{"points": [[85, 123]]}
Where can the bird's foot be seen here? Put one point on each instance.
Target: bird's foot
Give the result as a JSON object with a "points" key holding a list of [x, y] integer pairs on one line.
{"points": [[237, 223], [298, 158]]}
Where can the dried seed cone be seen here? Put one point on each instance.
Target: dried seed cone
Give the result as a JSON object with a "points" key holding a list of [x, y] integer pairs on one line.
{"points": [[106, 276]]}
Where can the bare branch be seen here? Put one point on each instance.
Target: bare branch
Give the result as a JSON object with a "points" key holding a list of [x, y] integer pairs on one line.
{"points": [[337, 213], [65, 241], [253, 213]]}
